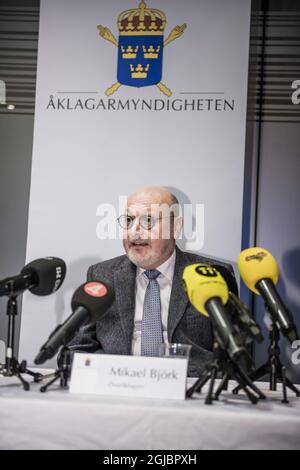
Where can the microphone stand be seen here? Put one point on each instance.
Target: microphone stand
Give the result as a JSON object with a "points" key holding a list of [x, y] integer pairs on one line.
{"points": [[63, 372], [12, 367], [230, 370], [274, 367]]}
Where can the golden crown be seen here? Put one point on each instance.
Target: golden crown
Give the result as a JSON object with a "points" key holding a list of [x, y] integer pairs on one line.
{"points": [[129, 52], [142, 21], [151, 52], [139, 71]]}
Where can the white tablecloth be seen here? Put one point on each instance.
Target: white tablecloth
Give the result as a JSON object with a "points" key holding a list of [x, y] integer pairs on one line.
{"points": [[59, 420]]}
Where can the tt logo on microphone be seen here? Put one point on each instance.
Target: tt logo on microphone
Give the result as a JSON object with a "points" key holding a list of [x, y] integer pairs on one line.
{"points": [[207, 271]]}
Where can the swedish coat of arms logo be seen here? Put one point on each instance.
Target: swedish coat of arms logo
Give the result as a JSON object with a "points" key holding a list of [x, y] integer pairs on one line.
{"points": [[140, 47]]}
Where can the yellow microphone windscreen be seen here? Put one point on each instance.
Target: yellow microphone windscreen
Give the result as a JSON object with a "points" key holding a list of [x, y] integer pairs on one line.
{"points": [[255, 264], [204, 282]]}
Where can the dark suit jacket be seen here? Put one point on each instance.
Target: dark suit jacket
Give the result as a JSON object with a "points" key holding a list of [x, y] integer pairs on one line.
{"points": [[113, 334]]}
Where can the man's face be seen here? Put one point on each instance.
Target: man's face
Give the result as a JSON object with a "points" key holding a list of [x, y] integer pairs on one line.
{"points": [[149, 237]]}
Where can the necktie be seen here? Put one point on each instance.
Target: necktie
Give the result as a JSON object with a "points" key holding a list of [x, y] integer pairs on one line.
{"points": [[152, 334]]}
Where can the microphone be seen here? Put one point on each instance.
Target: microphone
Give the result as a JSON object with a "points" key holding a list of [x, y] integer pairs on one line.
{"points": [[89, 303], [208, 293], [242, 316], [41, 277], [228, 277], [259, 271]]}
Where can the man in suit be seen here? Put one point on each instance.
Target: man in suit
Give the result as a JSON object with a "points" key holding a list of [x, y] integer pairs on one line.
{"points": [[150, 304]]}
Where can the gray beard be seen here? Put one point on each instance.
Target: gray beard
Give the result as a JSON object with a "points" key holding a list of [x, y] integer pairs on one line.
{"points": [[144, 263]]}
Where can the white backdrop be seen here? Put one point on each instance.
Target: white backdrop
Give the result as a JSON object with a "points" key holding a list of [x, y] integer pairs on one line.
{"points": [[88, 152]]}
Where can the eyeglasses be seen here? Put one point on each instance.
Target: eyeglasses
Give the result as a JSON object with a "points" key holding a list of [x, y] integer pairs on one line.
{"points": [[146, 221]]}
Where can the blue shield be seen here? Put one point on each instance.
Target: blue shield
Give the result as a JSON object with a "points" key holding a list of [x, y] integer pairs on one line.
{"points": [[140, 60]]}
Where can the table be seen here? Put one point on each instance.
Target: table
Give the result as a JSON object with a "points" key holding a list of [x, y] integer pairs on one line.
{"points": [[59, 420]]}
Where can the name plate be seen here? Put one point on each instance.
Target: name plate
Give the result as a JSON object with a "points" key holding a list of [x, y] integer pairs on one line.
{"points": [[129, 376]]}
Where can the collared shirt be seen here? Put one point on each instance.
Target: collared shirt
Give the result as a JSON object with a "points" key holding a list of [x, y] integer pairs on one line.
{"points": [[165, 280]]}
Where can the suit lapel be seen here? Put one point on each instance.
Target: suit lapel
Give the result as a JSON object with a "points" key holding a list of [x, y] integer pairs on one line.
{"points": [[124, 282], [178, 299]]}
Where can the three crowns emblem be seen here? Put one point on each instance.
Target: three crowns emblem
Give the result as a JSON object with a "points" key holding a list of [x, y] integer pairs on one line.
{"points": [[140, 47]]}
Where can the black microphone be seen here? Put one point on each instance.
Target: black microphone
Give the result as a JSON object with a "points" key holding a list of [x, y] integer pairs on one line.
{"points": [[89, 303], [278, 310], [41, 277], [242, 316], [229, 278]]}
